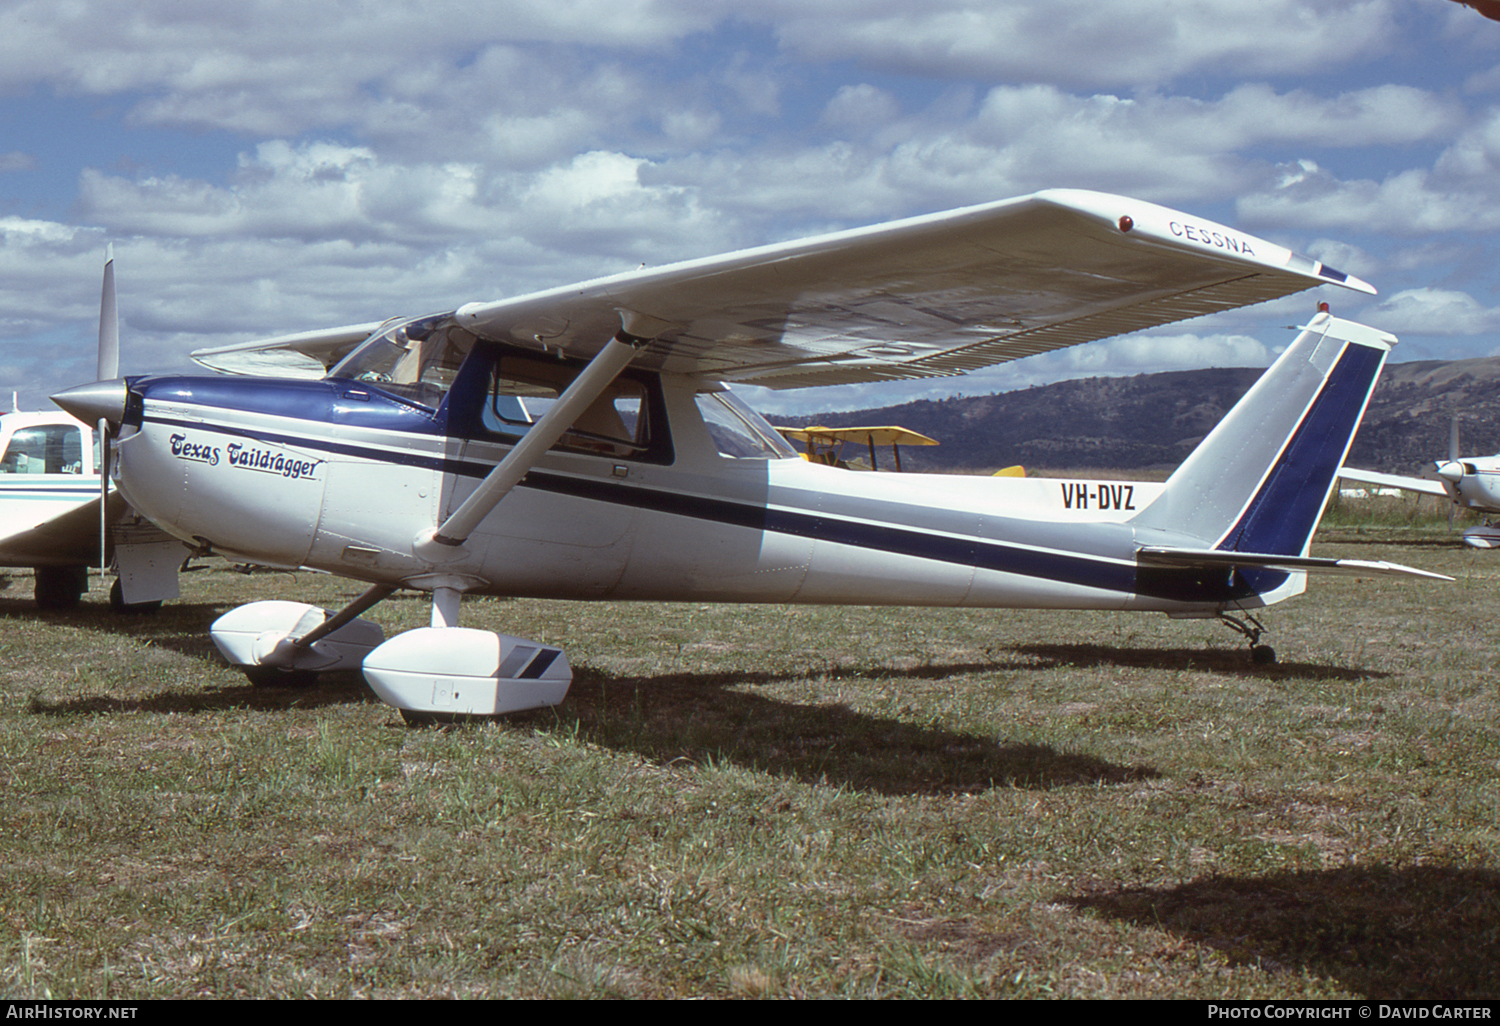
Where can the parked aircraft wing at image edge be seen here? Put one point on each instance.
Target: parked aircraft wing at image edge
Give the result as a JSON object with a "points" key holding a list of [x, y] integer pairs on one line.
{"points": [[579, 443], [1420, 485]]}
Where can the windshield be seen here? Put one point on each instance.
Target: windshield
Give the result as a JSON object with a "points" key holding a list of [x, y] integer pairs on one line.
{"points": [[416, 359]]}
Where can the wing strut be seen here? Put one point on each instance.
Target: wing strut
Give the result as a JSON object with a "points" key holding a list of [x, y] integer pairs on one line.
{"points": [[444, 543], [283, 651], [444, 669]]}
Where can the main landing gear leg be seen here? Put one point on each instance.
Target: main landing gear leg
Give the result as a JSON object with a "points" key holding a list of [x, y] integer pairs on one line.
{"points": [[1252, 629], [445, 671]]}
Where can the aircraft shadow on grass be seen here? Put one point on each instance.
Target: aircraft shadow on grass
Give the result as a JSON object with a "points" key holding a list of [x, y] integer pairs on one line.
{"points": [[1199, 660], [1421, 932], [344, 688], [720, 717], [701, 717], [715, 716], [706, 717]]}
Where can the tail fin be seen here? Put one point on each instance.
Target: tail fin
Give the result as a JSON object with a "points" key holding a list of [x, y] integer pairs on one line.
{"points": [[1258, 483]]}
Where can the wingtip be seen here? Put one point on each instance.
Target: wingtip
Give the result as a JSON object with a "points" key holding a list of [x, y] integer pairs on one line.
{"points": [[1348, 281]]}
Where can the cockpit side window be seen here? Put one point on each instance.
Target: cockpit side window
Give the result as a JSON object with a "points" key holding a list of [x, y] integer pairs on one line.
{"points": [[46, 449], [625, 422]]}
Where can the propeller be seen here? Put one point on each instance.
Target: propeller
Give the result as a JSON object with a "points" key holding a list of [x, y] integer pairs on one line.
{"points": [[1452, 469]]}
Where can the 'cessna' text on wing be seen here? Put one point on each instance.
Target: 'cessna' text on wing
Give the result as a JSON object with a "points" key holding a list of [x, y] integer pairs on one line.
{"points": [[1194, 233]]}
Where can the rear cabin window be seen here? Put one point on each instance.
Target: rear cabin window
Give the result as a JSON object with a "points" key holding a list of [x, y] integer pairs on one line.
{"points": [[738, 431]]}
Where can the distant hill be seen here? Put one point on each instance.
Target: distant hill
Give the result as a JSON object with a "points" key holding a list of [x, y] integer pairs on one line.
{"points": [[1149, 422]]}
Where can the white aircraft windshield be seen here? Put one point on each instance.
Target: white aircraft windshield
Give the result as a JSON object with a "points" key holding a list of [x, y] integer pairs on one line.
{"points": [[416, 359]]}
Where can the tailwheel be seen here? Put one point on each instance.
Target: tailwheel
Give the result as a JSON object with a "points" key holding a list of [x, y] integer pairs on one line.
{"points": [[1262, 655], [1252, 629]]}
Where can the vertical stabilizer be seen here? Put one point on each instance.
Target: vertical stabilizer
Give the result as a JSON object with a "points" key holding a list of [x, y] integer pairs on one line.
{"points": [[1259, 481]]}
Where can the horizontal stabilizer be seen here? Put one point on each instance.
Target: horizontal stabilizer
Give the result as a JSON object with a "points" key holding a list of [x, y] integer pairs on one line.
{"points": [[1420, 485], [1210, 559]]}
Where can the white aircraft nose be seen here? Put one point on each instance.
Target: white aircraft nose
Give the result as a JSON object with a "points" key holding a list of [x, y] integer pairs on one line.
{"points": [[101, 400], [1452, 471]]}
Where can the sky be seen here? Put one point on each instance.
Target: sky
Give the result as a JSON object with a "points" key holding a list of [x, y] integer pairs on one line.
{"points": [[272, 166]]}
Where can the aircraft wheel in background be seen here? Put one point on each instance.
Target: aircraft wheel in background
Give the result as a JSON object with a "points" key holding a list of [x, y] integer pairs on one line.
{"points": [[60, 587]]}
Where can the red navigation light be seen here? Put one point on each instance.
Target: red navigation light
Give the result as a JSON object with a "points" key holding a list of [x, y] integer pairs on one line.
{"points": [[1126, 223]]}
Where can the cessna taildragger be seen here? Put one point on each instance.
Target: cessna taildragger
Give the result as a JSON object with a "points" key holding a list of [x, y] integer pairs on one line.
{"points": [[580, 443]]}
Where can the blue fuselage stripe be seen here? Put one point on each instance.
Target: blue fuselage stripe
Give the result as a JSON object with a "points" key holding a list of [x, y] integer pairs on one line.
{"points": [[1282, 516], [1077, 570]]}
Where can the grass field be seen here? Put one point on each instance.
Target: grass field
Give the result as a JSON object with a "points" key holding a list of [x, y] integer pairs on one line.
{"points": [[747, 801]]}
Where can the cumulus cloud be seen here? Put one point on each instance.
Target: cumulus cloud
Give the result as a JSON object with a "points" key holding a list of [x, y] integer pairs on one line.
{"points": [[1434, 311], [1084, 42], [420, 156]]}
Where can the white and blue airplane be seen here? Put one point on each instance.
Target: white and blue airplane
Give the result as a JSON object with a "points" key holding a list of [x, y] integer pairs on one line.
{"points": [[581, 443], [1469, 482]]}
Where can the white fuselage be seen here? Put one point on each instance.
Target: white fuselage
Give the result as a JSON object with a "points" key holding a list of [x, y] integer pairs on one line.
{"points": [[349, 498], [1473, 482], [47, 477]]}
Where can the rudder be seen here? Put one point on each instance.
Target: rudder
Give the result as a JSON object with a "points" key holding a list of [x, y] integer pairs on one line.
{"points": [[1260, 480]]}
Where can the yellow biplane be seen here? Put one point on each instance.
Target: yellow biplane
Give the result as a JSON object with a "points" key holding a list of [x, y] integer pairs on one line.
{"points": [[826, 444]]}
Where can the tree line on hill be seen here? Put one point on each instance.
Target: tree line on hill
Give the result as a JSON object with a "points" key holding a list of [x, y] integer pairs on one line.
{"points": [[1149, 422]]}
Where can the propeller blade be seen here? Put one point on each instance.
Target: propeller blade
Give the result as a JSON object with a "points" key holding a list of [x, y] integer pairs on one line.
{"points": [[1453, 439], [109, 322]]}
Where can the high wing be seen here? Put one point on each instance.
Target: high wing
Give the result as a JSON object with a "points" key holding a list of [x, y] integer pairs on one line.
{"points": [[929, 296], [1421, 485]]}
